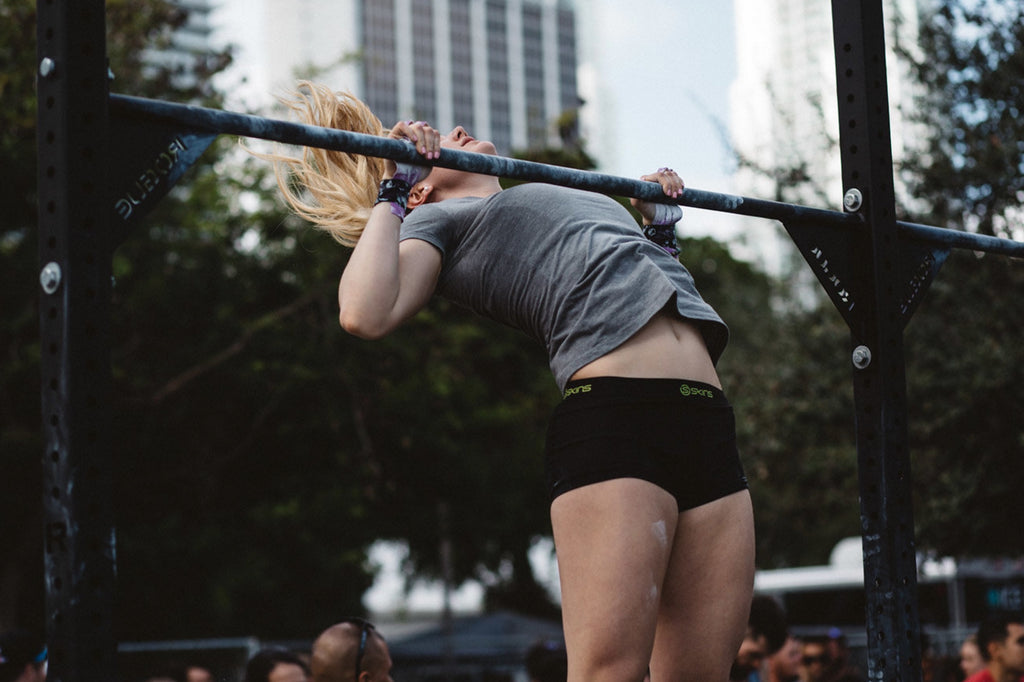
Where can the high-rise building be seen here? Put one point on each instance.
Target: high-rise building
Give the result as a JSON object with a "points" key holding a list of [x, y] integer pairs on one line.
{"points": [[505, 69]]}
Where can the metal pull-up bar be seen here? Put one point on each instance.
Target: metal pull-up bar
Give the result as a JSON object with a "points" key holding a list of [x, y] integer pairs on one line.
{"points": [[218, 122], [157, 141], [215, 122]]}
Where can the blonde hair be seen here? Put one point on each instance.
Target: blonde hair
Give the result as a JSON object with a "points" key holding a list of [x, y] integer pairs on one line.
{"points": [[333, 190]]}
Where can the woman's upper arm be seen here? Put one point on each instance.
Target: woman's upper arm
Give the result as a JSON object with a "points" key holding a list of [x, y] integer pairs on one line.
{"points": [[419, 265], [412, 285]]}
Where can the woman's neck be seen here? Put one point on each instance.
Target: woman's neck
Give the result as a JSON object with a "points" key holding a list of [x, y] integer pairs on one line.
{"points": [[480, 186]]}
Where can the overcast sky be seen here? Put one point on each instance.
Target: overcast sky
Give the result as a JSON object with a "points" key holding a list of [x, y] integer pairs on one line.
{"points": [[665, 67]]}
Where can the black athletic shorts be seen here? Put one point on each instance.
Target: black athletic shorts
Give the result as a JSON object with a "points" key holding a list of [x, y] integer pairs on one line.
{"points": [[678, 434]]}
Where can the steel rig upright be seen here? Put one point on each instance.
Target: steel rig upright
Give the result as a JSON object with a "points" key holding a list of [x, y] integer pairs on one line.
{"points": [[74, 266], [879, 381]]}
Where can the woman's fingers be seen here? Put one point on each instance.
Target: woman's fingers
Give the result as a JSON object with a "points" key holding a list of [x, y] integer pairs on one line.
{"points": [[421, 134], [671, 184], [424, 138]]}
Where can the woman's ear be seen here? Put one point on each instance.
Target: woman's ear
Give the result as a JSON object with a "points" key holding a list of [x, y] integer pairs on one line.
{"points": [[420, 194]]}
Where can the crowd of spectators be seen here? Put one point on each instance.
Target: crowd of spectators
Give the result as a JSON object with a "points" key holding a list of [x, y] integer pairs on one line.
{"points": [[353, 650]]}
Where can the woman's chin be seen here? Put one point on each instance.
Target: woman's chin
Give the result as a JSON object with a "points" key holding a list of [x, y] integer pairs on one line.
{"points": [[485, 147]]}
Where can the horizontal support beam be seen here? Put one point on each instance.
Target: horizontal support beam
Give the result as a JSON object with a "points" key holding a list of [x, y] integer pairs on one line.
{"points": [[957, 239], [201, 119]]}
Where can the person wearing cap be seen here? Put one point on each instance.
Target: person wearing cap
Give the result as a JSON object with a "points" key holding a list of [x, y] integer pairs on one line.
{"points": [[22, 657]]}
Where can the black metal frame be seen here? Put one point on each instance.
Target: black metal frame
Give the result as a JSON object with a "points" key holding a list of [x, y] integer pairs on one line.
{"points": [[74, 251], [879, 383], [93, 186]]}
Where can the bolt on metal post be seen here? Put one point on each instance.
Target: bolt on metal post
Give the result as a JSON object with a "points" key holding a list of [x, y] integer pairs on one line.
{"points": [[46, 67], [50, 277], [861, 357], [853, 200]]}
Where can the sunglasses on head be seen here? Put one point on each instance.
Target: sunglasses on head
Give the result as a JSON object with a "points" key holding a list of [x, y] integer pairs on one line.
{"points": [[365, 628]]}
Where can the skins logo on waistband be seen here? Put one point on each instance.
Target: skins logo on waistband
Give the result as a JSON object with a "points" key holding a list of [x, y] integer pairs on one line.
{"points": [[585, 388], [686, 389]]}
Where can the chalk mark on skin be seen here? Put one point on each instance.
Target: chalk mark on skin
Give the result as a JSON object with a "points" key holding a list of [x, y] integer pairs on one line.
{"points": [[652, 596], [660, 533], [659, 530]]}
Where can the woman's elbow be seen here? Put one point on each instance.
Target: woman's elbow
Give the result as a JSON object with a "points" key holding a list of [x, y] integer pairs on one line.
{"points": [[362, 326]]}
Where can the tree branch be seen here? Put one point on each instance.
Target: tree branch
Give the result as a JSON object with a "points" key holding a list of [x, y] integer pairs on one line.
{"points": [[191, 374]]}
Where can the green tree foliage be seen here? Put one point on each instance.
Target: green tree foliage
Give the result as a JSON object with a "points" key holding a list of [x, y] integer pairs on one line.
{"points": [[802, 445], [241, 491], [969, 171], [965, 388], [462, 406], [963, 347], [20, 446]]}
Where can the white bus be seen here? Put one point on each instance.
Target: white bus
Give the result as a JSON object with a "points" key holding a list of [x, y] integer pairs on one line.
{"points": [[954, 595]]}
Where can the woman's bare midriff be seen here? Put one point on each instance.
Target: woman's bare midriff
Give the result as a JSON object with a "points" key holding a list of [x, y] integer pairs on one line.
{"points": [[667, 347]]}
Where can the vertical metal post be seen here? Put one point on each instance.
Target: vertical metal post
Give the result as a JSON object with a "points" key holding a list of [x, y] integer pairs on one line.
{"points": [[74, 252], [890, 571]]}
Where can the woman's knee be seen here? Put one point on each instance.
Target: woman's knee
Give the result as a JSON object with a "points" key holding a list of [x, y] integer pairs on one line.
{"points": [[614, 665]]}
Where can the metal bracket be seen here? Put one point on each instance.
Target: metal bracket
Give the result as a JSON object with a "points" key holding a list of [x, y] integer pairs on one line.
{"points": [[829, 253], [147, 158]]}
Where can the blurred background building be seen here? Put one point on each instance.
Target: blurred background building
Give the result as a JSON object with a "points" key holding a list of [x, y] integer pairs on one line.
{"points": [[505, 69], [193, 38], [783, 114]]}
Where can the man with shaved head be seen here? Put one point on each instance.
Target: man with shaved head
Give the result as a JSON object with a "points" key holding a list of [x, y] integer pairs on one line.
{"points": [[351, 651]]}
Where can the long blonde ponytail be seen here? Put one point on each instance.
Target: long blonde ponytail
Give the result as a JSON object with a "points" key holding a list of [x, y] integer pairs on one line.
{"points": [[333, 190]]}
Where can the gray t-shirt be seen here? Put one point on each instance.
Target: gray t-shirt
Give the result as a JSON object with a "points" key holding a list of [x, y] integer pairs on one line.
{"points": [[570, 268]]}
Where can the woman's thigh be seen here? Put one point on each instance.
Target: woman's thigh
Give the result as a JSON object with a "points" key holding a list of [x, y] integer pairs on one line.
{"points": [[613, 542], [709, 582]]}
